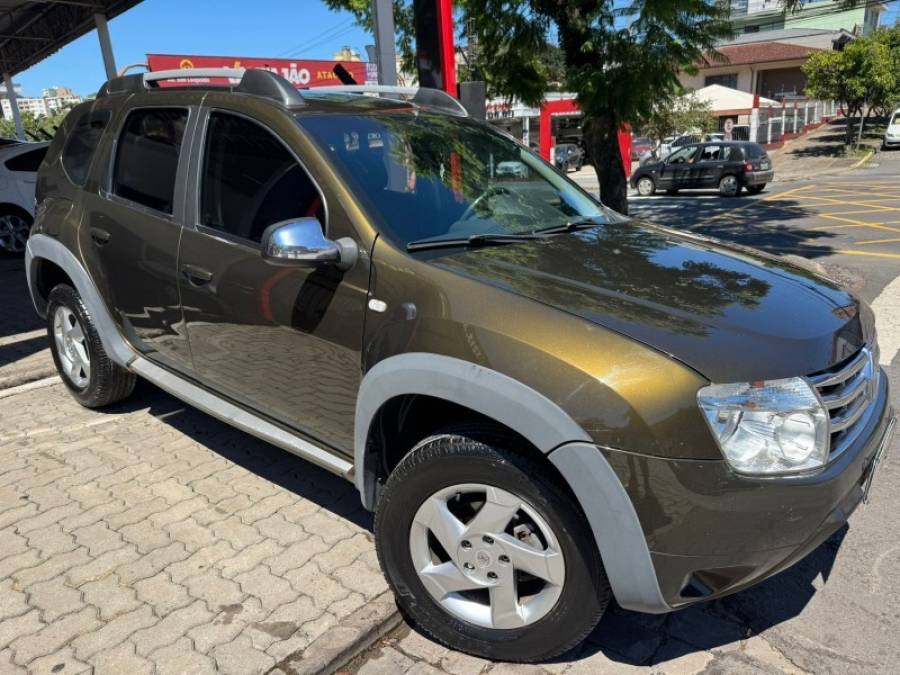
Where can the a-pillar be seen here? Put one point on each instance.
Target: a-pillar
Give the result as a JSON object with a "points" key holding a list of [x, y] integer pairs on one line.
{"points": [[14, 106], [109, 61]]}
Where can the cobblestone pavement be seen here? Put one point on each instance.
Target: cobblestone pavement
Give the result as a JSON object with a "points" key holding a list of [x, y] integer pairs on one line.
{"points": [[150, 537]]}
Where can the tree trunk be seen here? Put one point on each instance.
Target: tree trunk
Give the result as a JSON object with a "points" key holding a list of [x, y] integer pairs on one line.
{"points": [[848, 130], [602, 140]]}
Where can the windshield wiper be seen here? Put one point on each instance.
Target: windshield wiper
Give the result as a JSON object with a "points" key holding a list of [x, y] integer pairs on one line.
{"points": [[571, 226], [472, 240]]}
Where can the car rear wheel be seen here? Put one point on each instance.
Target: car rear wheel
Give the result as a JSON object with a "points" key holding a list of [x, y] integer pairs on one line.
{"points": [[646, 186], [14, 231], [486, 551], [82, 362], [729, 186], [756, 189]]}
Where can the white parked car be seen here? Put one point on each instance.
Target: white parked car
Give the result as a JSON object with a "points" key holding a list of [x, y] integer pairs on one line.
{"points": [[892, 133], [19, 163]]}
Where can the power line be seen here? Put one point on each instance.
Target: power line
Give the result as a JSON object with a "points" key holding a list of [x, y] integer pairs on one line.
{"points": [[327, 35]]}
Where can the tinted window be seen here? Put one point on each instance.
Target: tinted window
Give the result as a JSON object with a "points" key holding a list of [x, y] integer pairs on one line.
{"points": [[27, 161], [710, 153], [84, 138], [753, 150], [683, 156], [147, 157], [251, 181]]}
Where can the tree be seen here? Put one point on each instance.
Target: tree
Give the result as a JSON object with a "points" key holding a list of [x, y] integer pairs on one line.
{"points": [[683, 114], [36, 128], [859, 77]]}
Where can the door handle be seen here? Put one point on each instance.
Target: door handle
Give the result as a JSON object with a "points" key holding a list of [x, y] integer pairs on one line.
{"points": [[196, 276], [100, 236]]}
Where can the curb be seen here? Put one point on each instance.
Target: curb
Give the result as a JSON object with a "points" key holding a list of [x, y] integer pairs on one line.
{"points": [[339, 645]]}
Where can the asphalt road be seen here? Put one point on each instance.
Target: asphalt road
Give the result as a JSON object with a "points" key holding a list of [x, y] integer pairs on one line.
{"points": [[837, 610]]}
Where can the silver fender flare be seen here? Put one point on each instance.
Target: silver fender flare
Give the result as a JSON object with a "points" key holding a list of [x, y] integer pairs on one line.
{"points": [[42, 246], [610, 513]]}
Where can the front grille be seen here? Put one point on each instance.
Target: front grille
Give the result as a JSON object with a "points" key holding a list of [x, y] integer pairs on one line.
{"points": [[848, 391]]}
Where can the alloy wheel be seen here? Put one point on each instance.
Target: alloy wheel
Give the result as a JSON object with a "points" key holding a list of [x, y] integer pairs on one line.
{"points": [[486, 556], [14, 232], [728, 185], [645, 187], [71, 346]]}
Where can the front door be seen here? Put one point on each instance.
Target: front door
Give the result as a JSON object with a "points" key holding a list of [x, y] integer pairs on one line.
{"points": [[282, 340], [676, 171], [131, 230]]}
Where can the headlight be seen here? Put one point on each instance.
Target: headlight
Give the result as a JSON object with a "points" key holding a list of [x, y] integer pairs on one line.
{"points": [[767, 427]]}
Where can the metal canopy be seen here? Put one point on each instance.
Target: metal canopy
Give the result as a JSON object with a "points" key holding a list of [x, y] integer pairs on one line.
{"points": [[32, 30]]}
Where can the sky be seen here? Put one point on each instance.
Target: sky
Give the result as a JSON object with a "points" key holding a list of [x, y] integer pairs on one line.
{"points": [[273, 28]]}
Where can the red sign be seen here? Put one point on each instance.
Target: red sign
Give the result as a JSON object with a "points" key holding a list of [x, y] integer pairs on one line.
{"points": [[302, 73]]}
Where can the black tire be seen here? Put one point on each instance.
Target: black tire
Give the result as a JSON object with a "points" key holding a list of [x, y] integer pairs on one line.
{"points": [[756, 189], [479, 455], [107, 382]]}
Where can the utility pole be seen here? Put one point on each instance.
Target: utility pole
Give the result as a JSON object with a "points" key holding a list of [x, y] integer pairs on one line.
{"points": [[385, 52]]}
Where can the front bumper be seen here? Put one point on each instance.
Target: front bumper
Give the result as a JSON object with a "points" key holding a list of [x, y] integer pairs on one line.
{"points": [[759, 177], [891, 141], [711, 532]]}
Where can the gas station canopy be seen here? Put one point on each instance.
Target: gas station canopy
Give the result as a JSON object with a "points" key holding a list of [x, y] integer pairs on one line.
{"points": [[32, 30]]}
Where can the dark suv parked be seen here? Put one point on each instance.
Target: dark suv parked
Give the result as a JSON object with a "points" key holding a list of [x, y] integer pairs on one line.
{"points": [[545, 404], [722, 165]]}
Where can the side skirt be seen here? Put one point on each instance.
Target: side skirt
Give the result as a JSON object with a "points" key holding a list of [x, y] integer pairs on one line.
{"points": [[240, 418]]}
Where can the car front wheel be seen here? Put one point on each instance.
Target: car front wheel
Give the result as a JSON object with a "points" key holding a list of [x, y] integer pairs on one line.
{"points": [[486, 551], [646, 186]]}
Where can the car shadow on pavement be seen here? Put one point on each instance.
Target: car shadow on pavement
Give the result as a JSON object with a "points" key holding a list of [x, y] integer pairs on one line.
{"points": [[256, 456], [638, 639]]}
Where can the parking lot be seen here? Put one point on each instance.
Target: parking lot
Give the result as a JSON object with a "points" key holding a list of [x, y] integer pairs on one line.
{"points": [[152, 537]]}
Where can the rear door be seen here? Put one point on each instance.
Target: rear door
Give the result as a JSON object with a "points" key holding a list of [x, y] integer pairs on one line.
{"points": [[132, 226], [285, 341], [708, 166]]}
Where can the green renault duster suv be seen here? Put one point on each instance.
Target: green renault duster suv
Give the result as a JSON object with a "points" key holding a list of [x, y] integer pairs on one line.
{"points": [[546, 404]]}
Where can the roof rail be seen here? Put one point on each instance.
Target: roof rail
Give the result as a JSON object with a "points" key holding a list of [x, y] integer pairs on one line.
{"points": [[433, 98], [252, 81]]}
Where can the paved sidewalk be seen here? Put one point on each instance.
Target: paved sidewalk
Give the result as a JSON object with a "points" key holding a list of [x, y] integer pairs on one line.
{"points": [[24, 355], [819, 153], [152, 538]]}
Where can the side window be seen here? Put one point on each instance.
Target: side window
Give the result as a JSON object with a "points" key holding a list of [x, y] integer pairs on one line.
{"points": [[84, 137], [736, 154], [683, 156], [27, 162], [147, 157], [251, 181], [710, 153]]}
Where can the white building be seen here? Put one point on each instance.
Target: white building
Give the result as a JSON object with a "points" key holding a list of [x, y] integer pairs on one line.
{"points": [[59, 98]]}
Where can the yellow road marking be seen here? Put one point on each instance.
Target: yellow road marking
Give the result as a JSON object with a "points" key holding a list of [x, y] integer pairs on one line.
{"points": [[880, 195], [767, 198], [849, 203], [869, 254], [891, 240]]}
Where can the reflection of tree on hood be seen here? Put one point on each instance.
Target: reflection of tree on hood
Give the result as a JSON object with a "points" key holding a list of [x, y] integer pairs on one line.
{"points": [[619, 273]]}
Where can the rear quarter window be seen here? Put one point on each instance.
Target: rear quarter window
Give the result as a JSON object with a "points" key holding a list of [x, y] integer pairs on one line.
{"points": [[82, 142], [27, 162]]}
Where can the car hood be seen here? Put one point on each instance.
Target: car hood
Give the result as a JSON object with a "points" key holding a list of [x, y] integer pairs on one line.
{"points": [[731, 313]]}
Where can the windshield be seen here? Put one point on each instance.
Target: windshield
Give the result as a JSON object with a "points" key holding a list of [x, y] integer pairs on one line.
{"points": [[427, 176]]}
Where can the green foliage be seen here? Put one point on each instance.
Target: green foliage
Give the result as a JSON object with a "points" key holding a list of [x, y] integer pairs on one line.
{"points": [[864, 76], [36, 128], [684, 114]]}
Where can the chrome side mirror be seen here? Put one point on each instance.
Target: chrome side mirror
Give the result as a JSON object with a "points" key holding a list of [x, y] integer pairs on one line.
{"points": [[302, 243]]}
